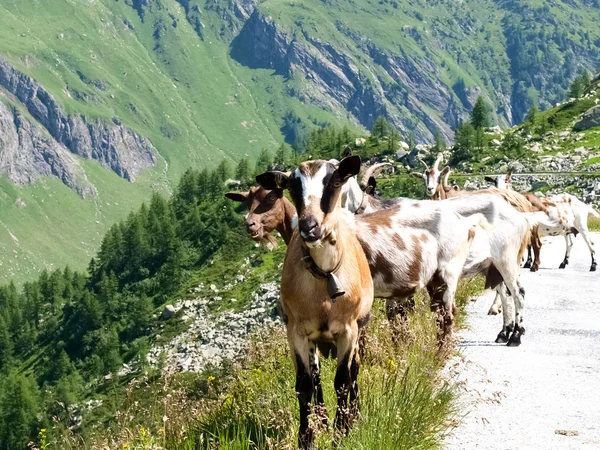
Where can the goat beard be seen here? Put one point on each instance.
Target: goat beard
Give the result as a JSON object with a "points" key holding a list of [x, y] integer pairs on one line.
{"points": [[269, 241]]}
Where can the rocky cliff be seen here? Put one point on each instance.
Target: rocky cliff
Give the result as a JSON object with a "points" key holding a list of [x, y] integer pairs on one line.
{"points": [[27, 152], [111, 144]]}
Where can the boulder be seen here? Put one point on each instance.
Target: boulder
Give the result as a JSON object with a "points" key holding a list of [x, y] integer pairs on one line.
{"points": [[589, 119], [168, 312]]}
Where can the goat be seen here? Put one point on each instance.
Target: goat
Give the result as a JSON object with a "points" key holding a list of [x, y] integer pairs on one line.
{"points": [[494, 254], [569, 216], [268, 210], [326, 286], [501, 181], [432, 177], [352, 197], [521, 202], [429, 247]]}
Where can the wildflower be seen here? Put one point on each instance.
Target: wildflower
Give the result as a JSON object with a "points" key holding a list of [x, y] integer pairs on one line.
{"points": [[126, 446], [211, 378], [392, 364], [165, 418]]}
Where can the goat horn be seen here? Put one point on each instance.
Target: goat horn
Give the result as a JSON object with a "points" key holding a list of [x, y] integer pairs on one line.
{"points": [[372, 171], [438, 161], [424, 163], [445, 179]]}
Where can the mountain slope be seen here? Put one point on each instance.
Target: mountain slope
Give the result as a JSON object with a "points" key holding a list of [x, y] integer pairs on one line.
{"points": [[162, 85]]}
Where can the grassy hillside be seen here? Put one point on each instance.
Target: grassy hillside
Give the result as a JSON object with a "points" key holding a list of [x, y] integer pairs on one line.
{"points": [[173, 72]]}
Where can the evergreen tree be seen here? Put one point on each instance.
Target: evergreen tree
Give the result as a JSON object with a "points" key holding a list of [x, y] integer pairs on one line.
{"points": [[532, 116], [380, 128], [282, 156], [224, 170], [242, 171], [19, 406], [480, 116], [6, 346], [263, 163], [576, 88], [465, 143], [439, 144]]}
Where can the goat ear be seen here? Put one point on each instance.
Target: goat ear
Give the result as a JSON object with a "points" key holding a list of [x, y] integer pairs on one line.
{"points": [[237, 196], [349, 167], [372, 182], [445, 170], [347, 152], [272, 180], [490, 180], [418, 175]]}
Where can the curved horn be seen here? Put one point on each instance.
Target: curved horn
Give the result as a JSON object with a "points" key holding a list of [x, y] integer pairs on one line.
{"points": [[447, 171], [424, 163], [438, 161], [372, 171]]}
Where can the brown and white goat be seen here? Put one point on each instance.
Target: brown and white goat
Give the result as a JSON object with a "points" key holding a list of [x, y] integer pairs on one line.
{"points": [[432, 178], [326, 286], [268, 210], [412, 248], [495, 254]]}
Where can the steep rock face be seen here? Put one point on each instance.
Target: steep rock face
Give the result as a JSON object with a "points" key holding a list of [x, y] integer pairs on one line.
{"points": [[338, 83], [26, 153], [113, 145]]}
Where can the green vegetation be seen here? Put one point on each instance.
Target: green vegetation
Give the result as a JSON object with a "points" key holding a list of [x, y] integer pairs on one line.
{"points": [[165, 69]]}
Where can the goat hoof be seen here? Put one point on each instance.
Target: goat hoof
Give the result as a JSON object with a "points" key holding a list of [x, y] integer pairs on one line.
{"points": [[534, 268], [593, 268], [514, 340], [502, 338], [527, 265], [562, 265], [494, 310]]}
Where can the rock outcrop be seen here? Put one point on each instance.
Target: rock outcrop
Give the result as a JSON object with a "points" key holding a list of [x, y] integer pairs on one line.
{"points": [[589, 119], [27, 153], [338, 83], [111, 144]]}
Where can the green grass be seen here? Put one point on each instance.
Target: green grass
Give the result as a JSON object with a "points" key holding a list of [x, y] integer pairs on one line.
{"points": [[56, 227], [405, 403], [593, 223]]}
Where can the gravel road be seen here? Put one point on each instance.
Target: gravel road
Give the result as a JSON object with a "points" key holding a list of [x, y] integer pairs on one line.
{"points": [[544, 394]]}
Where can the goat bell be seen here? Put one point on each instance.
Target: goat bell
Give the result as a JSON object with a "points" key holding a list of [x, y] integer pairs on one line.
{"points": [[334, 287]]}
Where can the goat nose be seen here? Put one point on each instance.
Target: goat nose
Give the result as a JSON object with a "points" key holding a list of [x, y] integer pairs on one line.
{"points": [[307, 224]]}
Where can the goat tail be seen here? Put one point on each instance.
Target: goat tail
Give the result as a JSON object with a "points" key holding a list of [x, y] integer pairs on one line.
{"points": [[594, 213], [526, 241]]}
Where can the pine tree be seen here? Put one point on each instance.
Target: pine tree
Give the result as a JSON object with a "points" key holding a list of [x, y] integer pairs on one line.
{"points": [[439, 144], [380, 128], [465, 143], [282, 156], [576, 88], [480, 117], [6, 346], [263, 163], [224, 170], [242, 171], [532, 116], [19, 406]]}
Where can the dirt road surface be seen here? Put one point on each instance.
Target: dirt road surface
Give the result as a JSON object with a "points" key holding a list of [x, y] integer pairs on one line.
{"points": [[545, 394]]}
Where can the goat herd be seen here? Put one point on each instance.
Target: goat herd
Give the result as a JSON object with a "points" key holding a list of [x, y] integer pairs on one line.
{"points": [[345, 247]]}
